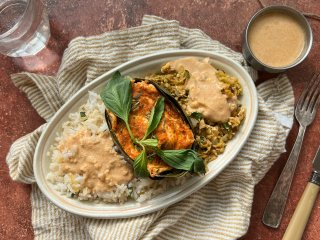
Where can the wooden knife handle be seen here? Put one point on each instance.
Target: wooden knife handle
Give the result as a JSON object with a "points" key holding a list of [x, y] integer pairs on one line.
{"points": [[301, 215]]}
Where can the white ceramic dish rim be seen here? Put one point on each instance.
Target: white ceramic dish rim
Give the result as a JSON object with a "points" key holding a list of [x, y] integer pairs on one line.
{"points": [[110, 211]]}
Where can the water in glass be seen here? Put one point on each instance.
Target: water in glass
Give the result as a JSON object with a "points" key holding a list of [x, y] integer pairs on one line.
{"points": [[24, 27]]}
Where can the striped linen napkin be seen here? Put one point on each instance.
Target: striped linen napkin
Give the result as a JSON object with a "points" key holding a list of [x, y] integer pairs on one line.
{"points": [[220, 210]]}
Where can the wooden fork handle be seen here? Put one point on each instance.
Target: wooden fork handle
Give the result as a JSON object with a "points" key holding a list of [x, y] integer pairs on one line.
{"points": [[301, 215]]}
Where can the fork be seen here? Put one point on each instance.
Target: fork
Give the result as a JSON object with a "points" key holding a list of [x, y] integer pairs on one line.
{"points": [[305, 112]]}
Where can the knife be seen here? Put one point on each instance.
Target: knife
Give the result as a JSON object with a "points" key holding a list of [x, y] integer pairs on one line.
{"points": [[301, 215]]}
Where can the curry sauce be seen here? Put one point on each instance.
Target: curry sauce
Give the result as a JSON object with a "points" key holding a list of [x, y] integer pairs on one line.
{"points": [[95, 159]]}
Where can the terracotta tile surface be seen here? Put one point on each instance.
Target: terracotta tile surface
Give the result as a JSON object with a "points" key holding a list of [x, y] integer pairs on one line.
{"points": [[222, 20]]}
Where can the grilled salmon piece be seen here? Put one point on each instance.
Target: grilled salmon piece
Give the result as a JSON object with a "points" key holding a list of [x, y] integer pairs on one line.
{"points": [[172, 131]]}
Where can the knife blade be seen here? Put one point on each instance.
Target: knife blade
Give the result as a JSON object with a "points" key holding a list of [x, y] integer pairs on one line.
{"points": [[316, 161], [315, 177]]}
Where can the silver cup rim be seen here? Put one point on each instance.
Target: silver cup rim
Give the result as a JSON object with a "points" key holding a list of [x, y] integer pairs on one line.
{"points": [[291, 11]]}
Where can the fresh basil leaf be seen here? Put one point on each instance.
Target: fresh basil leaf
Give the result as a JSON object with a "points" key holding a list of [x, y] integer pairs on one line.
{"points": [[198, 165], [196, 115], [150, 142], [184, 159], [117, 94], [140, 165], [155, 116]]}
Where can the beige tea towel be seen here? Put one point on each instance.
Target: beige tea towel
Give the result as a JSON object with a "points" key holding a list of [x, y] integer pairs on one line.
{"points": [[220, 210]]}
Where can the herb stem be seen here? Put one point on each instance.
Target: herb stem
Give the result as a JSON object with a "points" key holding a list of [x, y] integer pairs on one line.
{"points": [[133, 139]]}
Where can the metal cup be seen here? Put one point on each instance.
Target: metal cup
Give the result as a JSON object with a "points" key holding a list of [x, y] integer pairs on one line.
{"points": [[256, 63]]}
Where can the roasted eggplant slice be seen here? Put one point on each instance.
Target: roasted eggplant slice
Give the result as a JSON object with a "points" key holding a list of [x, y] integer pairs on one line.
{"points": [[173, 132]]}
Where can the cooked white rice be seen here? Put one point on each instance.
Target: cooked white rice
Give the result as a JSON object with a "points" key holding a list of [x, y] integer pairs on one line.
{"points": [[70, 185]]}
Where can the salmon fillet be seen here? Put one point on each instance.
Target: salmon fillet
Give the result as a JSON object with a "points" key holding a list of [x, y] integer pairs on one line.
{"points": [[172, 131]]}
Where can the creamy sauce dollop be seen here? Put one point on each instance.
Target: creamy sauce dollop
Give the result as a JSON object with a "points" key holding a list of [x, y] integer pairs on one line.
{"points": [[94, 158], [204, 88], [276, 39]]}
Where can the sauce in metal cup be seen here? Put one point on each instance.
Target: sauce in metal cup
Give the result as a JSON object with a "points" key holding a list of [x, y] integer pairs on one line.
{"points": [[277, 38]]}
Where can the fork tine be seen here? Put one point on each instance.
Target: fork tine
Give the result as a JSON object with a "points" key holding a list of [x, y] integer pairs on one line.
{"points": [[316, 105], [305, 95], [314, 96]]}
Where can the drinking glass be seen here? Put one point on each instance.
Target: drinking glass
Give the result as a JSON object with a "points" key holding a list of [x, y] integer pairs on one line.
{"points": [[24, 27]]}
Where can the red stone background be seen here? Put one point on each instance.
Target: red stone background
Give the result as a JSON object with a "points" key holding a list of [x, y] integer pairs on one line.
{"points": [[221, 20]]}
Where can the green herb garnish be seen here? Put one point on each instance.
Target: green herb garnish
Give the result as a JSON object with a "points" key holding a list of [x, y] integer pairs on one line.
{"points": [[150, 142], [226, 126], [155, 117], [196, 115], [83, 116], [140, 164], [135, 101], [186, 74], [117, 97], [185, 159]]}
